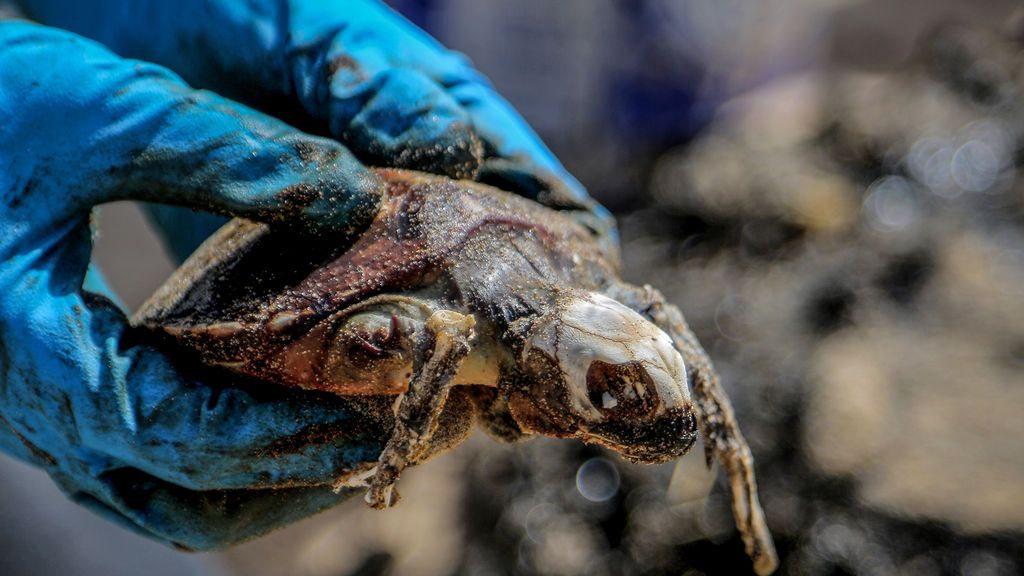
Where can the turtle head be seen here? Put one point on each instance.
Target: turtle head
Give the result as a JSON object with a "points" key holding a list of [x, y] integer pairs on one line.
{"points": [[596, 370]]}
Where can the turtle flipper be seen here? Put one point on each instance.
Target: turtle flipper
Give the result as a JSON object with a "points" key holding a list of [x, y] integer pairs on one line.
{"points": [[723, 440], [443, 349]]}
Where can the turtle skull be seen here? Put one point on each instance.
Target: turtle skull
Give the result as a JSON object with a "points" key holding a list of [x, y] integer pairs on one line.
{"points": [[621, 376]]}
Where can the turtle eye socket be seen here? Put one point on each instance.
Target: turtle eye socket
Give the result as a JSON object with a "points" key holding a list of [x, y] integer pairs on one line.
{"points": [[622, 391], [370, 350], [369, 337]]}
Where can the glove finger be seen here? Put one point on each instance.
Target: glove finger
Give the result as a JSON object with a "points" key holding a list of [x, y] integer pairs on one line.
{"points": [[205, 152], [199, 520], [378, 40], [403, 119], [118, 129], [506, 135], [387, 115]]}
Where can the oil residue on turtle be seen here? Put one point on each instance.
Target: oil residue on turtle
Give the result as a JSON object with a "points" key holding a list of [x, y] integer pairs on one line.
{"points": [[466, 304]]}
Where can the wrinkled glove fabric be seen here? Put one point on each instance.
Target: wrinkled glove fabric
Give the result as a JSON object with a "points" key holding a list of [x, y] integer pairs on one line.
{"points": [[116, 425]]}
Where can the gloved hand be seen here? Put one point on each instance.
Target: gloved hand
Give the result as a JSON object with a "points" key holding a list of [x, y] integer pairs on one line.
{"points": [[114, 423], [353, 70]]}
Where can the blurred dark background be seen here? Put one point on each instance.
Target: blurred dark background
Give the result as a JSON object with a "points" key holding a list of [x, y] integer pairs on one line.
{"points": [[829, 191]]}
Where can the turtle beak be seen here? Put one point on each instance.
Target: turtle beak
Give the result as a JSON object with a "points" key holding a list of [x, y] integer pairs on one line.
{"points": [[663, 438], [623, 378]]}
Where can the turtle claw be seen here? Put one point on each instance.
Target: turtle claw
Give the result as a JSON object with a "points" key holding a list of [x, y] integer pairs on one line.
{"points": [[358, 477], [723, 440], [442, 349], [382, 494]]}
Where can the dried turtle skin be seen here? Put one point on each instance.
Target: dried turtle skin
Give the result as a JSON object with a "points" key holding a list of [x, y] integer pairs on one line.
{"points": [[468, 304]]}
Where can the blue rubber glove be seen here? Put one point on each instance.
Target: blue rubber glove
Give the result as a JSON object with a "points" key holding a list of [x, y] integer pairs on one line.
{"points": [[353, 70], [114, 422]]}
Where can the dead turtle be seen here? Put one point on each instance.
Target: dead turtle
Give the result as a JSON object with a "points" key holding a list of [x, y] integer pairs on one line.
{"points": [[464, 303]]}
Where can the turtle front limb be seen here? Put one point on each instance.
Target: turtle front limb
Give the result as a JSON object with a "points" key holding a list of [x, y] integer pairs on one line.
{"points": [[723, 440], [445, 346]]}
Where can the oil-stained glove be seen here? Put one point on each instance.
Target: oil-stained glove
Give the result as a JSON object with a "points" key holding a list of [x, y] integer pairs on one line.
{"points": [[353, 70], [114, 423]]}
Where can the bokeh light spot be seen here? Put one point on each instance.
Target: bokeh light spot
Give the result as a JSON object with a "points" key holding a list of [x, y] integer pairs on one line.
{"points": [[597, 480]]}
